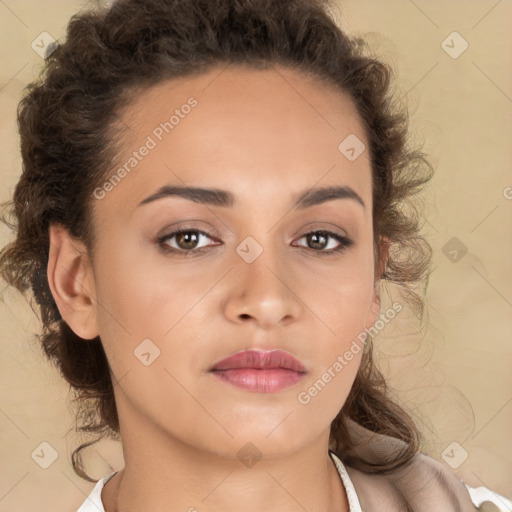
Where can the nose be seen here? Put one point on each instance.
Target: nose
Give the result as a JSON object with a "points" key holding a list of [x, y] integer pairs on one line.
{"points": [[264, 291]]}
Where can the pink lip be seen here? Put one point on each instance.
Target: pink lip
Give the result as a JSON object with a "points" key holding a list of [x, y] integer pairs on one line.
{"points": [[260, 371]]}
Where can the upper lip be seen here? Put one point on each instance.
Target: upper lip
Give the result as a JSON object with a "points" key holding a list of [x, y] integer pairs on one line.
{"points": [[262, 359]]}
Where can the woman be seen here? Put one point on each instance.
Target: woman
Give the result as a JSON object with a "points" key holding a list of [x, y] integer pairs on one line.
{"points": [[212, 192]]}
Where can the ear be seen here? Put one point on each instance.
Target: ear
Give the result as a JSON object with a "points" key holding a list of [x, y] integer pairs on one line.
{"points": [[380, 265], [71, 282]]}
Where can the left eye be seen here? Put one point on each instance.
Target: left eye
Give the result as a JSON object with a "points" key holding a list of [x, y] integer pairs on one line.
{"points": [[319, 238]]}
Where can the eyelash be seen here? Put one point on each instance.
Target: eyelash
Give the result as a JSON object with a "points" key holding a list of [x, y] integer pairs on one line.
{"points": [[344, 241]]}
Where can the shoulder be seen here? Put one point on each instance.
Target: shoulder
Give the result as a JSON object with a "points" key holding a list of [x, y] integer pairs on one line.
{"points": [[423, 485], [426, 482]]}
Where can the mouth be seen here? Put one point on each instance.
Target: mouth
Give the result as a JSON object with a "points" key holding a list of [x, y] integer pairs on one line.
{"points": [[260, 371]]}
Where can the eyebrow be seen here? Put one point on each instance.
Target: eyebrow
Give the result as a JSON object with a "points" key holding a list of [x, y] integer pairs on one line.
{"points": [[223, 198]]}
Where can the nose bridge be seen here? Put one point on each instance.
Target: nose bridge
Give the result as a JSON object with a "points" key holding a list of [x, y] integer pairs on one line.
{"points": [[262, 289], [261, 266]]}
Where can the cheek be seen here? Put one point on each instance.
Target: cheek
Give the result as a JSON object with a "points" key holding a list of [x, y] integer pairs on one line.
{"points": [[340, 296], [342, 300], [133, 294], [144, 297], [324, 394], [125, 315]]}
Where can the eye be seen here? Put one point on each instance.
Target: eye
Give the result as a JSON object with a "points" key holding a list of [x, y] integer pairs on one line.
{"points": [[186, 240], [319, 239]]}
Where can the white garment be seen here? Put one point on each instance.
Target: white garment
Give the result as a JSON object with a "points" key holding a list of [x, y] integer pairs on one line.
{"points": [[353, 500], [478, 495], [93, 502]]}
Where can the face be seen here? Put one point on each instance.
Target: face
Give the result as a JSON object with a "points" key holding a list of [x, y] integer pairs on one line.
{"points": [[259, 265]]}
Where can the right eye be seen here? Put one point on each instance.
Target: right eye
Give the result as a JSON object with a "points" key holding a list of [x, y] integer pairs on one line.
{"points": [[186, 240]]}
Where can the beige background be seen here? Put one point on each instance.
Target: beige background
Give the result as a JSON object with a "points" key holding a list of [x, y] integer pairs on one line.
{"points": [[453, 373]]}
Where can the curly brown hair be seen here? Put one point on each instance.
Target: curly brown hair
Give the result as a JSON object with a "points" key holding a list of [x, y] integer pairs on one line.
{"points": [[68, 130]]}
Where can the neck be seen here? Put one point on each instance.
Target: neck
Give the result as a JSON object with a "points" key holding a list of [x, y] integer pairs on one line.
{"points": [[162, 473]]}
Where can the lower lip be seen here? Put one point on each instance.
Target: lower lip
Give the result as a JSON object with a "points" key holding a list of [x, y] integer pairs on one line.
{"points": [[260, 380]]}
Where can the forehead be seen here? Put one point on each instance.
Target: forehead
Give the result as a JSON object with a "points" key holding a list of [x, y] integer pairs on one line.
{"points": [[249, 130], [278, 92]]}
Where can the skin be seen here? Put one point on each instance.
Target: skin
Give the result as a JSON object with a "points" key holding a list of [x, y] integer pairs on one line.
{"points": [[265, 136]]}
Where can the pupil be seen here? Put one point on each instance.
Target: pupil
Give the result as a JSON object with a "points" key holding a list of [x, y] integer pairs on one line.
{"points": [[187, 235], [316, 236]]}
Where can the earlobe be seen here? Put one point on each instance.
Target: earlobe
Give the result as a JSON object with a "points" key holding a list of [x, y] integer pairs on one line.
{"points": [[71, 282]]}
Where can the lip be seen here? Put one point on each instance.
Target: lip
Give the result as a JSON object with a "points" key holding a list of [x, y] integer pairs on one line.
{"points": [[259, 370]]}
